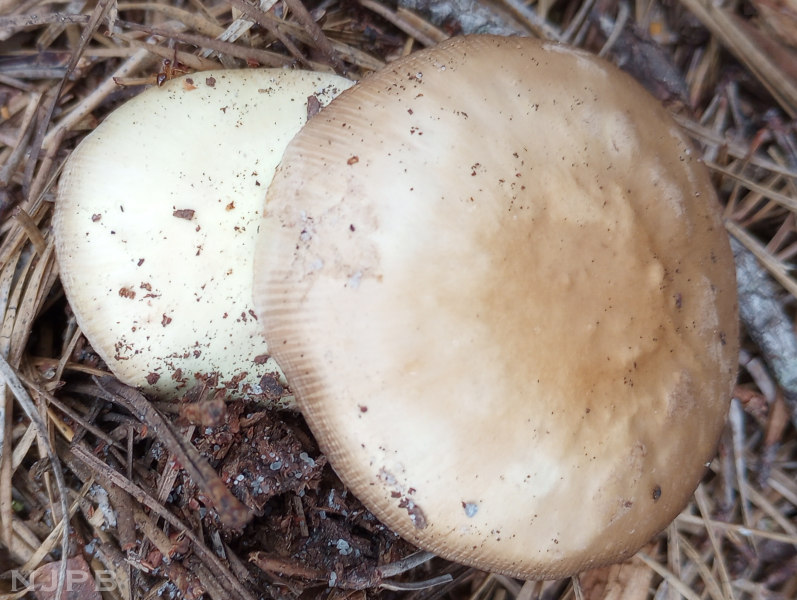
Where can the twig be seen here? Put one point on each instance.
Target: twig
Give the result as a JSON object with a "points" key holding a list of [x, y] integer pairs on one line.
{"points": [[666, 574], [32, 20], [39, 184], [192, 61], [13, 382], [512, 586], [723, 25], [69, 412], [320, 39], [356, 580], [534, 22], [391, 16], [578, 591], [263, 57], [159, 539], [230, 510], [96, 97], [781, 199], [415, 585], [719, 559], [712, 586], [194, 21], [238, 27], [29, 124], [259, 17], [125, 521], [144, 498], [736, 419], [685, 519], [405, 564], [766, 321], [575, 24], [623, 11], [707, 136], [31, 229], [97, 15], [530, 590]]}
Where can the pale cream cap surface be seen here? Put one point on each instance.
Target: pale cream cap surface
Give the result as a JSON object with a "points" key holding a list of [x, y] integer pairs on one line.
{"points": [[163, 293], [498, 281]]}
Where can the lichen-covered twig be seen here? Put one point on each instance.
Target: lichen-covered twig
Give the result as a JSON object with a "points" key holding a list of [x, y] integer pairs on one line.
{"points": [[470, 15], [767, 323]]}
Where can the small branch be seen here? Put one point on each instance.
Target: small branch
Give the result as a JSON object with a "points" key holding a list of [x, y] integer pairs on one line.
{"points": [[471, 16], [405, 564], [410, 29], [529, 17], [263, 57], [259, 17], [69, 412], [415, 585], [97, 15], [25, 401], [144, 498], [230, 510], [16, 21], [318, 36]]}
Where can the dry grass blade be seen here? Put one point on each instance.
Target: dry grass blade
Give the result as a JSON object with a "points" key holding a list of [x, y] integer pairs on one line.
{"points": [[315, 32], [260, 18], [712, 586], [69, 412], [230, 510], [191, 61], [32, 20], [35, 289], [402, 23], [782, 199], [770, 509], [674, 581], [196, 22], [96, 97], [777, 268], [262, 57], [136, 492], [531, 20], [55, 535], [422, 25], [722, 24], [691, 520], [238, 27], [706, 136], [100, 11], [13, 382]]}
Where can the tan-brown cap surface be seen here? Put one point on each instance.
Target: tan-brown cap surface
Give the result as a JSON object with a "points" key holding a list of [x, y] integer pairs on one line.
{"points": [[497, 279], [156, 222]]}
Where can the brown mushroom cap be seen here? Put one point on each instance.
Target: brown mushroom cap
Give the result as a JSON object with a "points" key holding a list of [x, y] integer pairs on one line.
{"points": [[498, 281]]}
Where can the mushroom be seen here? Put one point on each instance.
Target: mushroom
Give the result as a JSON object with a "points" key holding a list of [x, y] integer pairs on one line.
{"points": [[498, 281], [156, 219]]}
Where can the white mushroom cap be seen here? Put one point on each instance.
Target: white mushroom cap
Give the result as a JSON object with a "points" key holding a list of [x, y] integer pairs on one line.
{"points": [[156, 219], [498, 281]]}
